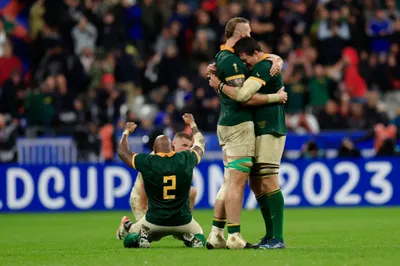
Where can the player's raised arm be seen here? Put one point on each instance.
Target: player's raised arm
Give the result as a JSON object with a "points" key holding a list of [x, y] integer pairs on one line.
{"points": [[198, 139], [123, 147]]}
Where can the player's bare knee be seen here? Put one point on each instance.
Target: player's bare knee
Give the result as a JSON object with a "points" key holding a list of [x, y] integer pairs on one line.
{"points": [[256, 185], [237, 180], [271, 184]]}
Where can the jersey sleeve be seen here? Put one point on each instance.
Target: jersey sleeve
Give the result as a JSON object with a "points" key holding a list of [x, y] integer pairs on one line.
{"points": [[261, 73], [192, 158], [140, 162], [232, 69]]}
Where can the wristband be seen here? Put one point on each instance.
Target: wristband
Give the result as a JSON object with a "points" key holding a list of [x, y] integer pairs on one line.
{"points": [[273, 98], [222, 87], [193, 124], [126, 132]]}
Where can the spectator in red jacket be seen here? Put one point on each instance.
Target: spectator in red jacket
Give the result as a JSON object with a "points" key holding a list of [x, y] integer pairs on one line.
{"points": [[8, 63], [355, 84]]}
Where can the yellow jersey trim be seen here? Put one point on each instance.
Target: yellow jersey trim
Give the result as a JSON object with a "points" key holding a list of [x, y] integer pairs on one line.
{"points": [[163, 154], [240, 76], [258, 79], [225, 47], [265, 56], [133, 160]]}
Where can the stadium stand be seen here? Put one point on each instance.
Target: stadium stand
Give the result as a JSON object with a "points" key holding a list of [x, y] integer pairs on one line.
{"points": [[81, 69]]}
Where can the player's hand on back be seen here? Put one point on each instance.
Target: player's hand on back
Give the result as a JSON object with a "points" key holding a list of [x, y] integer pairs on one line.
{"points": [[276, 68], [130, 127], [282, 95], [188, 119], [211, 69]]}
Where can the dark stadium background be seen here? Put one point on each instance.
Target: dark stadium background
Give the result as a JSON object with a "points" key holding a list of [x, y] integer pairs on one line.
{"points": [[83, 68], [72, 72]]}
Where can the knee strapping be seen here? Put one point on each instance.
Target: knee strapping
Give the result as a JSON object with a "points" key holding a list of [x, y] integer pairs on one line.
{"points": [[243, 165]]}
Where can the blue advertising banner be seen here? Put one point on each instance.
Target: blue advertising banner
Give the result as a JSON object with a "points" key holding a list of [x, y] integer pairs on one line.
{"points": [[104, 187]]}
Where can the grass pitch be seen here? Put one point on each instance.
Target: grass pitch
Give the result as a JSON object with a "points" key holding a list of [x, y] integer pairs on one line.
{"points": [[356, 236]]}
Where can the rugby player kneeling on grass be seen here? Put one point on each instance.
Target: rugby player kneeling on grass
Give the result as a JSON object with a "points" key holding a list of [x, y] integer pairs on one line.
{"points": [[139, 200], [167, 178]]}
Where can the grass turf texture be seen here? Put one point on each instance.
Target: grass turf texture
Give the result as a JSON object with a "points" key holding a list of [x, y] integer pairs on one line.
{"points": [[358, 236]]}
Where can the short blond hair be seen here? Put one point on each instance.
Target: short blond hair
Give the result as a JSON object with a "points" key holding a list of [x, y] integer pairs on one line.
{"points": [[231, 25]]}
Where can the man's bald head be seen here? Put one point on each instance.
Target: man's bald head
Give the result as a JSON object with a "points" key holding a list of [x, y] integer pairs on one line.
{"points": [[237, 27], [163, 144]]}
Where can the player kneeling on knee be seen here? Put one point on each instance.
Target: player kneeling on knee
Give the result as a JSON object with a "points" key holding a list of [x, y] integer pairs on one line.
{"points": [[138, 199], [167, 177]]}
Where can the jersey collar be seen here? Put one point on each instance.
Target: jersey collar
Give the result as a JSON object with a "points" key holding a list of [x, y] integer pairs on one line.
{"points": [[265, 56], [225, 47], [163, 154]]}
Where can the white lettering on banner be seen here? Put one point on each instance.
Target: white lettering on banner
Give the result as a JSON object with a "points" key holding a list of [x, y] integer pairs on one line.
{"points": [[43, 188], [13, 174], [379, 181], [215, 181], [111, 192], [289, 184], [344, 196], [198, 183], [75, 186], [308, 183]]}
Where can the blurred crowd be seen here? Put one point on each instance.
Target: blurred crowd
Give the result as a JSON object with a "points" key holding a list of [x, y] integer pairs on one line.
{"points": [[87, 66]]}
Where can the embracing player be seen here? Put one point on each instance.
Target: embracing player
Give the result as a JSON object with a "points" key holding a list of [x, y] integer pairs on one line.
{"points": [[236, 137], [167, 177], [138, 199], [270, 131]]}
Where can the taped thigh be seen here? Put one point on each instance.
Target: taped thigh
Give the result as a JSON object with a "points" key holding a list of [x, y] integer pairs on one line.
{"points": [[243, 164], [264, 170]]}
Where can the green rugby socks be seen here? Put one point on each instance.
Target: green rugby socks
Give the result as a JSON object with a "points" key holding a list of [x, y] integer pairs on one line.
{"points": [[131, 240], [276, 204], [219, 222], [233, 228], [262, 200]]}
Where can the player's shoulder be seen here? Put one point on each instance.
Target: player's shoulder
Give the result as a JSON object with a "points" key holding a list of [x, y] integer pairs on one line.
{"points": [[227, 57], [142, 156], [187, 155], [184, 153], [262, 65], [261, 69]]}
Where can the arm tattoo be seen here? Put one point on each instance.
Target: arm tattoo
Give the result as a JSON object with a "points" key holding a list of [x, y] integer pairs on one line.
{"points": [[195, 130], [236, 82]]}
